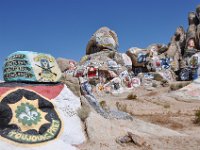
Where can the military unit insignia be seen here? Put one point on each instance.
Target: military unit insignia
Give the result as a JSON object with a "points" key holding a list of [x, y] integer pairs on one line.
{"points": [[26, 117]]}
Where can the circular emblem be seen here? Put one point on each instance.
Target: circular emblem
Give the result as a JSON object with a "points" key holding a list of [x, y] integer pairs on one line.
{"points": [[27, 114], [26, 117]]}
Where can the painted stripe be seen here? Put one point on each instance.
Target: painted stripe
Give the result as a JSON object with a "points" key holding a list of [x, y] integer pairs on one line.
{"points": [[49, 92]]}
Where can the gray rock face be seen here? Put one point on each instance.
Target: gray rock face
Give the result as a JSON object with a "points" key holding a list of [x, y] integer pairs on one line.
{"points": [[198, 12], [174, 52], [103, 38], [191, 33], [192, 18], [180, 37], [198, 26], [198, 36]]}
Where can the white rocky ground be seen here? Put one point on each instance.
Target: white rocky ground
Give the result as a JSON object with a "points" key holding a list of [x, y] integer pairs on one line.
{"points": [[167, 122]]}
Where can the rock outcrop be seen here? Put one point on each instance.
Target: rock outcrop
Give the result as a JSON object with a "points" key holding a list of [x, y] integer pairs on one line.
{"points": [[103, 38]]}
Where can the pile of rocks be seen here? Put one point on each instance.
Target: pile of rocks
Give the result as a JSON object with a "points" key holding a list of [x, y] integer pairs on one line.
{"points": [[110, 71]]}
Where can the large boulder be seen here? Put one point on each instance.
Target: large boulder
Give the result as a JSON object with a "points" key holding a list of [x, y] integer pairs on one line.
{"points": [[103, 38], [40, 117], [31, 67]]}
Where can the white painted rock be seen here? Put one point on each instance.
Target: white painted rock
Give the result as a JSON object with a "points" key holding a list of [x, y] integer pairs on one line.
{"points": [[31, 67], [39, 117]]}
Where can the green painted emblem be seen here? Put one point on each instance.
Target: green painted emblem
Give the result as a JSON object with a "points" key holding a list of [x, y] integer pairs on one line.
{"points": [[27, 114], [31, 120]]}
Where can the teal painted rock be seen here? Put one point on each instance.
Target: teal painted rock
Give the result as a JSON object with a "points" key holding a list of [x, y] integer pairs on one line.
{"points": [[31, 67]]}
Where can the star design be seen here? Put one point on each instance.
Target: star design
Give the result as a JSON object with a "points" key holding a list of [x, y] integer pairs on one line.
{"points": [[27, 115]]}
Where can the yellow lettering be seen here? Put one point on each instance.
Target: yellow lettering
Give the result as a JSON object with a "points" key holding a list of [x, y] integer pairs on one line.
{"points": [[29, 138], [24, 137], [42, 138], [34, 138], [50, 133], [12, 134], [47, 136], [18, 136]]}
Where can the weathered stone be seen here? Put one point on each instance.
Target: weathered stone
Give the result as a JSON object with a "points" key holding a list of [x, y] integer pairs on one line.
{"points": [[157, 76], [198, 37], [180, 35], [136, 139], [198, 12], [31, 67], [192, 18], [191, 34], [189, 92], [174, 52], [124, 139], [72, 83], [198, 27], [65, 64], [123, 59], [98, 58], [103, 38], [179, 38], [178, 85]]}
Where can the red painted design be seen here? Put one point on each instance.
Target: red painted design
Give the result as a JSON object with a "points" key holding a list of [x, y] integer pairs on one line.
{"points": [[49, 92]]}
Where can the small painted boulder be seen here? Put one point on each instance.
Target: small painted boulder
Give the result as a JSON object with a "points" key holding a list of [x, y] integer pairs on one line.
{"points": [[25, 66]]}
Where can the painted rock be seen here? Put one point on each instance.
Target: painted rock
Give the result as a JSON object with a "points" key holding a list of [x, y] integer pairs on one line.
{"points": [[103, 38], [123, 59], [31, 67], [138, 56], [39, 116]]}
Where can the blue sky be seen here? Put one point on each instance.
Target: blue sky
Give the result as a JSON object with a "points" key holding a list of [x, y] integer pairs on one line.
{"points": [[63, 27]]}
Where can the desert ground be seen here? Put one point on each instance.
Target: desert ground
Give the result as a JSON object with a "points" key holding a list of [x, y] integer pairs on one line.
{"points": [[160, 122]]}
